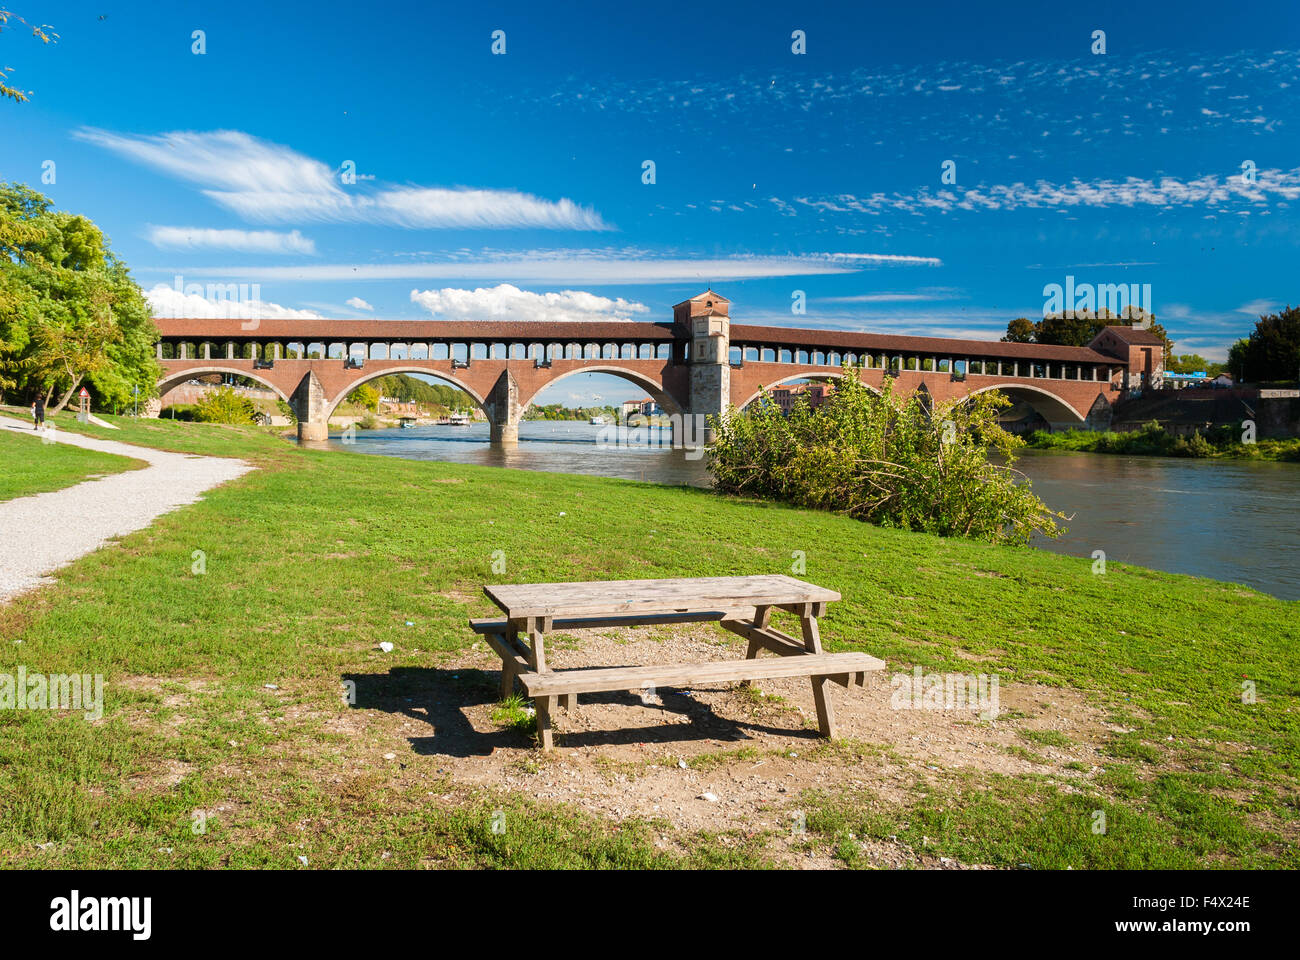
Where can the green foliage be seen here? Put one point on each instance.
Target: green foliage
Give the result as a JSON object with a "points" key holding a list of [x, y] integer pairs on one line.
{"points": [[886, 459], [409, 389], [69, 311], [366, 395], [1272, 353], [1153, 440], [41, 32], [224, 405]]}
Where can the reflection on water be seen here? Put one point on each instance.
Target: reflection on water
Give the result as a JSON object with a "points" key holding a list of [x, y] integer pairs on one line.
{"points": [[549, 446], [1228, 520], [1233, 521]]}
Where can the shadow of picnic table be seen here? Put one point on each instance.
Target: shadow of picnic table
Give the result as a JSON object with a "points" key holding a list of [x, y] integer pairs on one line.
{"points": [[442, 699]]}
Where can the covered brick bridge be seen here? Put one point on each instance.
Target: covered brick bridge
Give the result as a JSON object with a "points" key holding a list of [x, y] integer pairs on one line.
{"points": [[699, 363]]}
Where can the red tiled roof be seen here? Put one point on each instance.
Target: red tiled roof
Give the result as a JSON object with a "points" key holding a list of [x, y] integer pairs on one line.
{"points": [[743, 334], [1132, 334], [286, 329], [479, 330]]}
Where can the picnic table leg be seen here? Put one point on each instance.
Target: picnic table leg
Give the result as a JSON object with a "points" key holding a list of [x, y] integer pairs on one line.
{"points": [[543, 707], [507, 666], [812, 641], [536, 628], [762, 617]]}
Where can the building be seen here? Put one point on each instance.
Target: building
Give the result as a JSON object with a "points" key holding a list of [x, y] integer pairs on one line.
{"points": [[1140, 350], [786, 395], [646, 407]]}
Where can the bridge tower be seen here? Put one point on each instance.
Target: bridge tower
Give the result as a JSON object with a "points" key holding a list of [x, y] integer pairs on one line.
{"points": [[705, 322]]}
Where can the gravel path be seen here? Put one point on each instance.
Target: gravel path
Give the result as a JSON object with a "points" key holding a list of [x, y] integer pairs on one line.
{"points": [[41, 533]]}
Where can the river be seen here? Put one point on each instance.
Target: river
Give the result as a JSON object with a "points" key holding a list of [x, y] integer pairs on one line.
{"points": [[1228, 520]]}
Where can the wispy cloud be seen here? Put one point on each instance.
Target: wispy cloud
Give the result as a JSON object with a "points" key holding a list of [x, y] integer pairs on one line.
{"points": [[1269, 188], [248, 241], [356, 303], [595, 268], [508, 302], [271, 183]]}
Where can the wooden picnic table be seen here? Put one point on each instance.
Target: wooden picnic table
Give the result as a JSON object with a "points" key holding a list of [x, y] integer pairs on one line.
{"points": [[742, 605]]}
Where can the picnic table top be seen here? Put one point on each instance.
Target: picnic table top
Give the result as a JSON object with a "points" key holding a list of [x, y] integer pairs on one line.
{"points": [[681, 595]]}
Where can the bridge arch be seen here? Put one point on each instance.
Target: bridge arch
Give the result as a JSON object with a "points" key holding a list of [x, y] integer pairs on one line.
{"points": [[1051, 407], [333, 402], [667, 402], [820, 374], [174, 380]]}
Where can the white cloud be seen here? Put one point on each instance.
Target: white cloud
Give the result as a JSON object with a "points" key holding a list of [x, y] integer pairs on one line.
{"points": [[271, 183], [244, 303], [589, 268], [1258, 308], [356, 303], [1270, 188], [249, 241], [507, 302]]}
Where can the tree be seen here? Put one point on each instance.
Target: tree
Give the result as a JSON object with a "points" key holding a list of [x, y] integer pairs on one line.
{"points": [[69, 311], [1273, 350], [1237, 360], [1188, 363], [42, 33], [1020, 330]]}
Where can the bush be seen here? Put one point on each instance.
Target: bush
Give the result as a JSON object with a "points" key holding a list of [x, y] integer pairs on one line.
{"points": [[224, 405], [886, 459]]}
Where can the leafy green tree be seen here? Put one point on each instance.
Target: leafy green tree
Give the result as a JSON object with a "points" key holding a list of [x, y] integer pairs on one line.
{"points": [[1273, 350], [69, 311], [1020, 330], [1188, 363], [895, 461], [1237, 360]]}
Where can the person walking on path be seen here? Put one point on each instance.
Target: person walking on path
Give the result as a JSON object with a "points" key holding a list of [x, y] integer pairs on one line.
{"points": [[38, 412]]}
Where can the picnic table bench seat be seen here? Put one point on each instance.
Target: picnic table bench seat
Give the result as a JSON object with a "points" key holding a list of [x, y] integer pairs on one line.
{"points": [[742, 605]]}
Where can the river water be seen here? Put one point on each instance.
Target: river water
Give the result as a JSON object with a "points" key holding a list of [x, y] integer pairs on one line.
{"points": [[1229, 520]]}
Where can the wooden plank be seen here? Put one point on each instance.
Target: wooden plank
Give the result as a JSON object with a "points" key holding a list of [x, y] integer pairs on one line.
{"points": [[683, 595], [496, 625], [768, 639], [595, 680]]}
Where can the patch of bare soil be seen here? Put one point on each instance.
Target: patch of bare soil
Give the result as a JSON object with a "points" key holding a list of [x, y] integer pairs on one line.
{"points": [[719, 757]]}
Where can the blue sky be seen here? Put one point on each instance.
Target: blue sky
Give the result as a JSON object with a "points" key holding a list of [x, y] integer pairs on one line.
{"points": [[512, 185]]}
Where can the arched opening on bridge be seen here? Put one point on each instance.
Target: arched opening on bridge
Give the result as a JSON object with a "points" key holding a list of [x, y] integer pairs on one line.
{"points": [[422, 373], [167, 384], [812, 376], [1034, 408], [666, 402]]}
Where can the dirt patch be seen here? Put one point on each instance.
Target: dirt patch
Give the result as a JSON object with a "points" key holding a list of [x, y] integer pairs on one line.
{"points": [[717, 757]]}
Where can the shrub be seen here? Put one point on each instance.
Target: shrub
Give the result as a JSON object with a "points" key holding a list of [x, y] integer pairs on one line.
{"points": [[886, 459], [224, 405]]}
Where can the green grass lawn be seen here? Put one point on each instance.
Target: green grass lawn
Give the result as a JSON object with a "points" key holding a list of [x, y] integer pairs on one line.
{"points": [[317, 557], [31, 466]]}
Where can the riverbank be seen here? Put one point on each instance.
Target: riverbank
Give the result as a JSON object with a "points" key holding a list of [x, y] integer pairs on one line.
{"points": [[1125, 691], [1216, 444]]}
